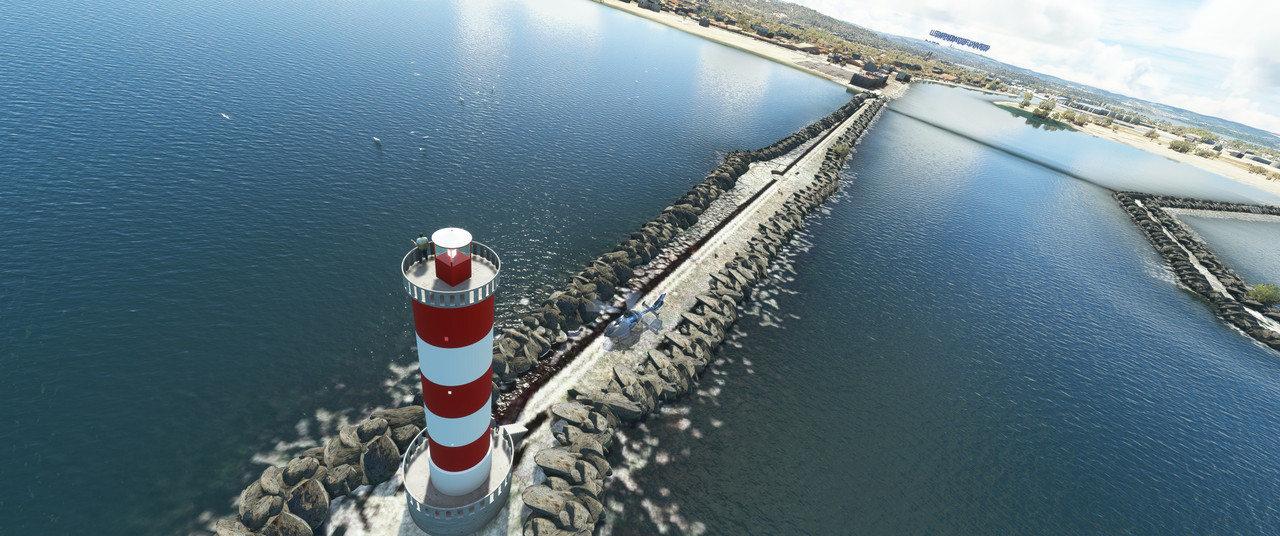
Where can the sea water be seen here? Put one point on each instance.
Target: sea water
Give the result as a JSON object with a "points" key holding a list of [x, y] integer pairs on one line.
{"points": [[968, 342], [199, 242]]}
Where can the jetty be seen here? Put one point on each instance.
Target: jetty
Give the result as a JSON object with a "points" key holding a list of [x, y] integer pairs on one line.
{"points": [[570, 387]]}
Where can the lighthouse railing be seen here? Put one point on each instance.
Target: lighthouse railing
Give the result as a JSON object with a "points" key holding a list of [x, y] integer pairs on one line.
{"points": [[418, 448], [452, 298]]}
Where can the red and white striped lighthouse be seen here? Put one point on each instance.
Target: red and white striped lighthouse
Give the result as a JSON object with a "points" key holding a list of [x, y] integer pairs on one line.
{"points": [[453, 318], [457, 472]]}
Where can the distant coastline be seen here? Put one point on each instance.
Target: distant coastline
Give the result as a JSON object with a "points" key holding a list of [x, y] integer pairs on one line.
{"points": [[1135, 139], [784, 56]]}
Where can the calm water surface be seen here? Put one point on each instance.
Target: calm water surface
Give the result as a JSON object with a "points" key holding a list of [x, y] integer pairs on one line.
{"points": [[972, 343], [180, 292]]}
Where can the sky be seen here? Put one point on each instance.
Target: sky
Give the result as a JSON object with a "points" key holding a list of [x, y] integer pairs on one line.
{"points": [[1214, 57]]}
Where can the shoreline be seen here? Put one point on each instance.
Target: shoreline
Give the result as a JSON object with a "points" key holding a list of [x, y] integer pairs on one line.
{"points": [[809, 63], [769, 51], [1218, 166]]}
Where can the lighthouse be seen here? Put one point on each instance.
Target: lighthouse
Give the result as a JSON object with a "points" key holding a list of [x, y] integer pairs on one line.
{"points": [[457, 472]]}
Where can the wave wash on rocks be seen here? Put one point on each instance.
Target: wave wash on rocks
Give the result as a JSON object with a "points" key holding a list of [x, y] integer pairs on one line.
{"points": [[294, 500], [1183, 251], [569, 501]]}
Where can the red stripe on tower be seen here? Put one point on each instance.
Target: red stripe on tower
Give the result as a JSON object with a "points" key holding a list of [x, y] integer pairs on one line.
{"points": [[453, 328], [457, 401], [453, 320], [456, 459]]}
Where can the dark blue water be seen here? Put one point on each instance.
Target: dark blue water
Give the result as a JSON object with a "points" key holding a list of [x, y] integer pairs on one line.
{"points": [[180, 291], [968, 343], [978, 344]]}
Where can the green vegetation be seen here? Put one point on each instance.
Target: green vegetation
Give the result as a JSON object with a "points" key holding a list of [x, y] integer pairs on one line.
{"points": [[1026, 100], [1182, 146], [841, 150], [1152, 134], [1268, 295], [1257, 170], [1207, 153], [1042, 111]]}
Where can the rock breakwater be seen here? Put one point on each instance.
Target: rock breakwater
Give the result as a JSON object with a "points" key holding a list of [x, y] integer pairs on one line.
{"points": [[297, 499], [1196, 267], [294, 500], [519, 350], [569, 500]]}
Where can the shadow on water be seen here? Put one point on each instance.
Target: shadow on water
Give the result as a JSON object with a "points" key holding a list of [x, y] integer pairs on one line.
{"points": [[1021, 156]]}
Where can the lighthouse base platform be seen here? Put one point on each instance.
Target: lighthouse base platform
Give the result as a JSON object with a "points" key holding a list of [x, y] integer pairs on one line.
{"points": [[446, 515]]}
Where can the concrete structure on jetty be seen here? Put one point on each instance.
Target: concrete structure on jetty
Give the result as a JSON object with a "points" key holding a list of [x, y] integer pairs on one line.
{"points": [[573, 391]]}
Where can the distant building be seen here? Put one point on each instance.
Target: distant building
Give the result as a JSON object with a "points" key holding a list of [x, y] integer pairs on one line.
{"points": [[869, 80], [761, 30], [704, 23], [902, 76], [1260, 160], [808, 48]]}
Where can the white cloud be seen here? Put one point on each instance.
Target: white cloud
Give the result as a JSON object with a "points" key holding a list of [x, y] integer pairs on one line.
{"points": [[1133, 48]]}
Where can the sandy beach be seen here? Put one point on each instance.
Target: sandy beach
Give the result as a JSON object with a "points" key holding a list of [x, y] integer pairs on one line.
{"points": [[1225, 166], [814, 64]]}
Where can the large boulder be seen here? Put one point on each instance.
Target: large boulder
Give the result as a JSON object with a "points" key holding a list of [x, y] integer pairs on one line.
{"points": [[541, 526], [310, 502], [370, 428], [403, 436], [624, 408], [298, 469], [557, 461], [272, 481], [573, 412], [576, 516], [339, 453], [546, 501], [250, 496], [341, 480], [258, 513], [286, 524], [231, 527], [380, 460]]}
